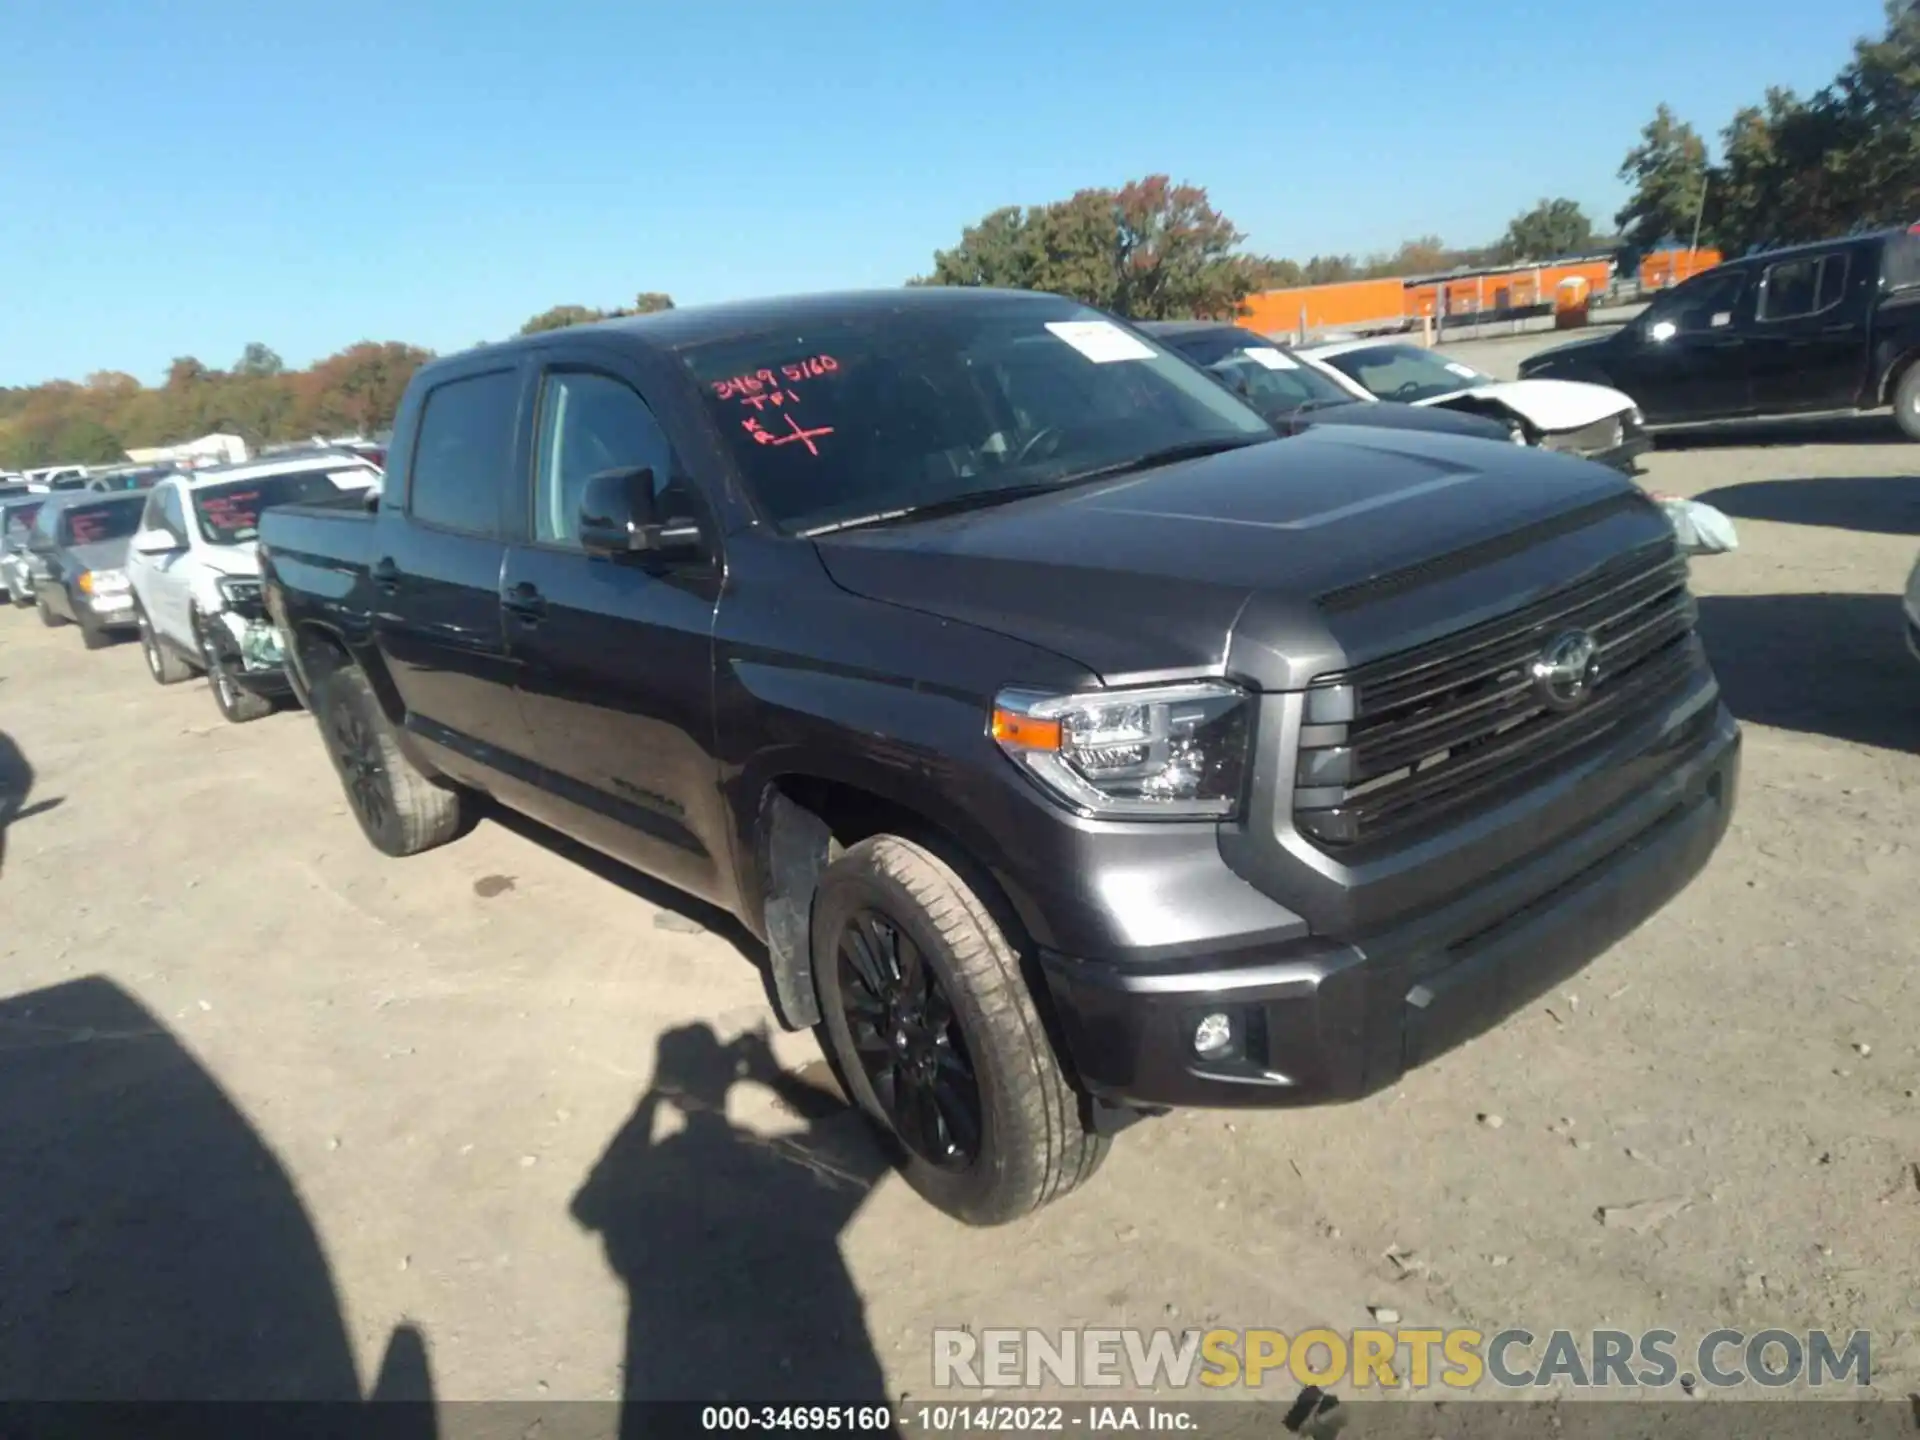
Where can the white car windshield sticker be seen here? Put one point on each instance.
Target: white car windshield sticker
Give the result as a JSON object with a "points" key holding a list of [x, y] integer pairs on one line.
{"points": [[1723, 317], [1271, 358], [1101, 341], [1466, 372]]}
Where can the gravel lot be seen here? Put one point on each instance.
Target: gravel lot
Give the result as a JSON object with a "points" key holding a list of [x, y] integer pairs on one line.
{"points": [[283, 1117]]}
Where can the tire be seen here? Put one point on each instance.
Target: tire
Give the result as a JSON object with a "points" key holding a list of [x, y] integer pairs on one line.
{"points": [[47, 617], [400, 810], [1906, 402], [166, 666], [93, 637], [23, 599], [237, 704], [978, 1023]]}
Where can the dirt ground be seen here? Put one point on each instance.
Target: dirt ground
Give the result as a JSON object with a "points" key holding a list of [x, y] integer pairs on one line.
{"points": [[280, 1116]]}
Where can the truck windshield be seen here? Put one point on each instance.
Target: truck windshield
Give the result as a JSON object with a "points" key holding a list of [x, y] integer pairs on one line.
{"points": [[89, 524], [1405, 372], [230, 514], [913, 409]]}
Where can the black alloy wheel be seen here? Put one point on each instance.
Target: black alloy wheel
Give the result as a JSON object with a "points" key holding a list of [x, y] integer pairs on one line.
{"points": [[908, 1042], [363, 765]]}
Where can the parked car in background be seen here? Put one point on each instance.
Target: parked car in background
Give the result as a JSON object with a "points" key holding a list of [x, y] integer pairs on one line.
{"points": [[196, 576], [1293, 395], [58, 477], [1570, 417], [129, 477], [1076, 749], [1833, 326], [79, 544], [16, 524]]}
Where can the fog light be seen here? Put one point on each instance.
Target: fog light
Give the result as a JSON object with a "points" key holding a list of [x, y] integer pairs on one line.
{"points": [[1213, 1035]]}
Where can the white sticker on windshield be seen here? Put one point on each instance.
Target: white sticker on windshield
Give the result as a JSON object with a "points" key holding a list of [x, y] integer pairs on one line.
{"points": [[1723, 317], [1465, 372], [1271, 358], [1101, 341]]}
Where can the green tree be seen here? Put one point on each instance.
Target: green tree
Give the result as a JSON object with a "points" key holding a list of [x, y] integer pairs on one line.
{"points": [[1668, 172], [1149, 250], [651, 302], [1549, 230], [258, 360], [1329, 270], [560, 317]]}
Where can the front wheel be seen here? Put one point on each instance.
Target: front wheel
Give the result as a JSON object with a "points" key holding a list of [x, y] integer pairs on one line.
{"points": [[930, 1022], [47, 617], [163, 664], [400, 810], [237, 704], [1906, 402]]}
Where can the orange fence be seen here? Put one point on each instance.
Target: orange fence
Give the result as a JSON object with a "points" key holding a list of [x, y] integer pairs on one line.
{"points": [[1327, 307], [1669, 267]]}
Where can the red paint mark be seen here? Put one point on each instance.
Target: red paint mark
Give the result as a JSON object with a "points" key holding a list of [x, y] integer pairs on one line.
{"points": [[759, 382], [763, 436], [776, 397]]}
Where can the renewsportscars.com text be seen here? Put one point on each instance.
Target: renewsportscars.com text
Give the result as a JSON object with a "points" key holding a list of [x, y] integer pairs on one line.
{"points": [[1511, 1359]]}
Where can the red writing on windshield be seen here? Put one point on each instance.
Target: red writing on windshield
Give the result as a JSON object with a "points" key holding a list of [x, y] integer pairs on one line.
{"points": [[234, 510], [86, 529], [760, 382], [764, 436]]}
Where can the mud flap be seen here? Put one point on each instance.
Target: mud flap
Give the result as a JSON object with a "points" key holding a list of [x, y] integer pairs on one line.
{"points": [[796, 852]]}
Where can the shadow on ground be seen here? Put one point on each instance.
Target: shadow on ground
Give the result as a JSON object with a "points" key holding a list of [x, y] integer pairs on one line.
{"points": [[1874, 429], [728, 1241], [152, 1247], [16, 785], [1832, 665], [1878, 504]]}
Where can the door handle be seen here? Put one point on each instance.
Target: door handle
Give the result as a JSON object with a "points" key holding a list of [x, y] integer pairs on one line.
{"points": [[525, 602], [385, 574]]}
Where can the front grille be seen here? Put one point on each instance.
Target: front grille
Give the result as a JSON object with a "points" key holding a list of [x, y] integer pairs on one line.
{"points": [[1405, 741], [1594, 439]]}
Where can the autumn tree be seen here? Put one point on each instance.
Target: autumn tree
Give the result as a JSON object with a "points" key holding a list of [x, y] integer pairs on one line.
{"points": [[1668, 172], [1549, 230]]}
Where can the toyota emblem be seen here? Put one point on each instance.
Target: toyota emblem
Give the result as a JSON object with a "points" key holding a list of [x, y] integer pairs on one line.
{"points": [[1564, 672]]}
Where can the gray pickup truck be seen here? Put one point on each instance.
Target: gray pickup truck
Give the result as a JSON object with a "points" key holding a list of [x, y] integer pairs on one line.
{"points": [[1077, 748]]}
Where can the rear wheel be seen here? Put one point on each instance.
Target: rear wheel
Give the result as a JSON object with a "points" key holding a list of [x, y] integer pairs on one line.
{"points": [[401, 811], [166, 667], [934, 1032], [1906, 402]]}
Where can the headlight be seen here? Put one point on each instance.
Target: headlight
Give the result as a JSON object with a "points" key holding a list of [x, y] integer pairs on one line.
{"points": [[1166, 752], [240, 593], [102, 582]]}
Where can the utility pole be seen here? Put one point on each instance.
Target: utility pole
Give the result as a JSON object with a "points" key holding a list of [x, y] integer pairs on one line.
{"points": [[1706, 179]]}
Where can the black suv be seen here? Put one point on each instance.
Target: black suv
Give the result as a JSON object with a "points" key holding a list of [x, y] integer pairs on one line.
{"points": [[1077, 748]]}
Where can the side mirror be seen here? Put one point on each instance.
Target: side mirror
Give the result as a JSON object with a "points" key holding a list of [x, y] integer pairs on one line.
{"points": [[618, 517], [156, 542]]}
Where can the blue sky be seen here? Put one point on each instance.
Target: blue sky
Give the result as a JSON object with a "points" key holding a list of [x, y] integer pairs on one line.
{"points": [[182, 178]]}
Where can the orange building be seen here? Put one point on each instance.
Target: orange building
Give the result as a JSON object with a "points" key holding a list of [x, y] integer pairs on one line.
{"points": [[1664, 268]]}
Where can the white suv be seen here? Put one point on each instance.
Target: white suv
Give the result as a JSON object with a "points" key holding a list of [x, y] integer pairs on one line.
{"points": [[196, 574]]}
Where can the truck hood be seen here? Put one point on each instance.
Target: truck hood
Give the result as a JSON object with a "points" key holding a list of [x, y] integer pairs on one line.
{"points": [[1586, 347], [100, 555], [1547, 404], [1251, 560], [232, 559]]}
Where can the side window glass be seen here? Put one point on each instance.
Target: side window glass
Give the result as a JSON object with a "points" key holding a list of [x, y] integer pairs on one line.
{"points": [[1790, 289], [590, 423], [1833, 281], [464, 453], [174, 514], [150, 518]]}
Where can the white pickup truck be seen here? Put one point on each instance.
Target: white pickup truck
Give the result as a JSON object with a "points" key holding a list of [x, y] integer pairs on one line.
{"points": [[196, 576]]}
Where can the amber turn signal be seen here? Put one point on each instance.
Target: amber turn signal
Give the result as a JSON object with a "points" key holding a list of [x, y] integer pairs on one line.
{"points": [[1011, 728]]}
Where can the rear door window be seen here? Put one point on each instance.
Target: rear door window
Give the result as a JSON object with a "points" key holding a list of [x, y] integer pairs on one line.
{"points": [[464, 453], [1805, 286]]}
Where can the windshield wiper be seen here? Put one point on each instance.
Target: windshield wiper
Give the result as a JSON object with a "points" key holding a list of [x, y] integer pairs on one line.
{"points": [[982, 499]]}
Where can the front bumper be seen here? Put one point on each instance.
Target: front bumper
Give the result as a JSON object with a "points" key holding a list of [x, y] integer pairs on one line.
{"points": [[1319, 1020], [107, 612]]}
